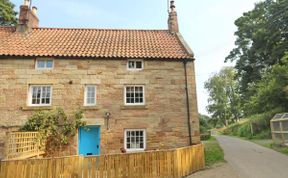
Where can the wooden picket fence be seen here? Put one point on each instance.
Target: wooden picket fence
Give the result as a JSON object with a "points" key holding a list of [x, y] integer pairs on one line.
{"points": [[174, 163], [22, 145]]}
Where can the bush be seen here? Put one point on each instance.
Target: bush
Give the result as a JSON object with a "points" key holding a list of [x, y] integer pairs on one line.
{"points": [[55, 128], [244, 130], [255, 127], [205, 136]]}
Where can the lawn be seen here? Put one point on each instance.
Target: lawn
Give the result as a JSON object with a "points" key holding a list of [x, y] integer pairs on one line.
{"points": [[213, 152]]}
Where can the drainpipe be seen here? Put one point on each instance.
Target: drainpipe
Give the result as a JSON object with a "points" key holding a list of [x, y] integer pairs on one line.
{"points": [[187, 101]]}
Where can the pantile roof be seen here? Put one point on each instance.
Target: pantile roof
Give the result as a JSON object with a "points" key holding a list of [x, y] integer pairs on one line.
{"points": [[95, 43]]}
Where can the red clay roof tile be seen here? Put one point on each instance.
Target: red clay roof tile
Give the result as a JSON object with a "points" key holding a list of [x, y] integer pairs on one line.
{"points": [[106, 43]]}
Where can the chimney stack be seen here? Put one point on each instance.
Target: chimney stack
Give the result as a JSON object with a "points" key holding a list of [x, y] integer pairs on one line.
{"points": [[27, 17], [173, 20]]}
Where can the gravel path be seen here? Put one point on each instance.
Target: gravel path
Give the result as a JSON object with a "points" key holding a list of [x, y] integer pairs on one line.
{"points": [[250, 160]]}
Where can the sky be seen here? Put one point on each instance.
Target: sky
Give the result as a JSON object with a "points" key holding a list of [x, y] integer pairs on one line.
{"points": [[207, 25]]}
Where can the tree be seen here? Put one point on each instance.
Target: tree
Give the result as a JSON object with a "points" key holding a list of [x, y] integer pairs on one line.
{"points": [[7, 13], [204, 123], [271, 92], [223, 102], [262, 40]]}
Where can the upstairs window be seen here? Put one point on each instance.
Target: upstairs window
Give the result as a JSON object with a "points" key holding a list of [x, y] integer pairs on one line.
{"points": [[135, 140], [44, 64], [135, 65], [134, 95], [40, 95], [90, 95]]}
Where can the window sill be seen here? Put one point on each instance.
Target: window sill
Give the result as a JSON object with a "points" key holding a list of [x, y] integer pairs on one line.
{"points": [[90, 108], [127, 107], [36, 108], [134, 151]]}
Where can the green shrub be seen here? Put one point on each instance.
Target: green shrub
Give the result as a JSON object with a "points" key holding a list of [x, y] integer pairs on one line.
{"points": [[244, 130], [257, 126], [205, 136], [55, 128]]}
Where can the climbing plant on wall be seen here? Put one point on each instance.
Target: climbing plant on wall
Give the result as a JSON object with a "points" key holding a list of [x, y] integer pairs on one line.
{"points": [[55, 128]]}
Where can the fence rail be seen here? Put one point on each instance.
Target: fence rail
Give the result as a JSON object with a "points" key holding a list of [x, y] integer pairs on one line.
{"points": [[22, 145], [174, 163]]}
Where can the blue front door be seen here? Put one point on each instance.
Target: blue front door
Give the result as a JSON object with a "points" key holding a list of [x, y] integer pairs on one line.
{"points": [[89, 140]]}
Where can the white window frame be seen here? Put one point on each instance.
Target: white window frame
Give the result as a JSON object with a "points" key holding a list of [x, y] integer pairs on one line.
{"points": [[85, 95], [31, 94], [135, 149], [44, 68], [134, 104], [135, 60]]}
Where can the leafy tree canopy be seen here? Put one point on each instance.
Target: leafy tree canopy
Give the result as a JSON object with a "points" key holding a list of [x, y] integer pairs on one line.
{"points": [[7, 13], [272, 91], [262, 39], [223, 102]]}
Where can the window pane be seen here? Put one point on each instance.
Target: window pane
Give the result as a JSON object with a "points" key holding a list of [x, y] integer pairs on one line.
{"points": [[132, 100], [40, 64], [49, 64], [131, 64], [34, 101], [139, 64]]}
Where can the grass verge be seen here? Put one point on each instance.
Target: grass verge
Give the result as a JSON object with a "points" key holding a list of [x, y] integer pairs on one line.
{"points": [[268, 143], [213, 152]]}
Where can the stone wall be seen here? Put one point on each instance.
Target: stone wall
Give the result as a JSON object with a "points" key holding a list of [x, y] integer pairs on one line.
{"points": [[164, 116]]}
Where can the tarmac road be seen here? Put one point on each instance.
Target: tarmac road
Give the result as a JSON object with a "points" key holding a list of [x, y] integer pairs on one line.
{"points": [[250, 160]]}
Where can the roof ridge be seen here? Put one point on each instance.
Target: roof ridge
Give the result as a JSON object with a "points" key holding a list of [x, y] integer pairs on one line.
{"points": [[104, 29]]}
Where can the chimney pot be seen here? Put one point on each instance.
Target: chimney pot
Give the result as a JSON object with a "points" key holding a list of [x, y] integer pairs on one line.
{"points": [[34, 10], [26, 2]]}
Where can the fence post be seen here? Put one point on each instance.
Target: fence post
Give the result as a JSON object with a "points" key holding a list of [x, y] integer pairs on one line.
{"points": [[6, 153], [176, 163], [80, 166], [203, 156]]}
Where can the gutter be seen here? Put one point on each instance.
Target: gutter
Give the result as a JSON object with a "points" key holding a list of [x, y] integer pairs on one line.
{"points": [[187, 102]]}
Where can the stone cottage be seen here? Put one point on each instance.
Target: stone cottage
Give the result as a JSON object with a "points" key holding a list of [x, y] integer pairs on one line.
{"points": [[136, 87]]}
